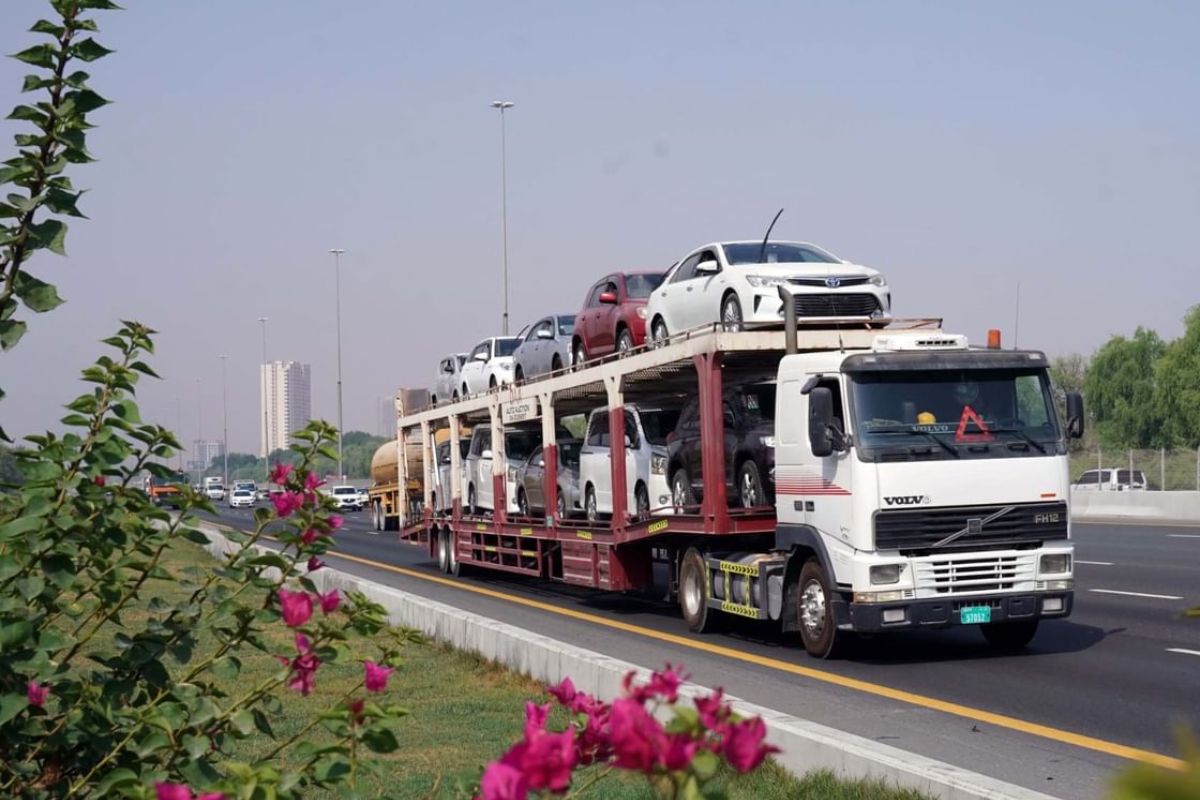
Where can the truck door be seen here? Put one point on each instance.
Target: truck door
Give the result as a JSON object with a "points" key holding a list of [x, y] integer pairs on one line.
{"points": [[828, 504]]}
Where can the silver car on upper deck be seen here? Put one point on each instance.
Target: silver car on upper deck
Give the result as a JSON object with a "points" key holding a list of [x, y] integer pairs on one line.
{"points": [[546, 348]]}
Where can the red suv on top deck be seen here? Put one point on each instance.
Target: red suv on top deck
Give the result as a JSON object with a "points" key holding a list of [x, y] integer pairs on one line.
{"points": [[613, 317]]}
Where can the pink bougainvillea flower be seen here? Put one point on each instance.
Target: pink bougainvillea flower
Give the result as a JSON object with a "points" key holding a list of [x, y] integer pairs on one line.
{"points": [[36, 693], [666, 684], [312, 482], [330, 601], [296, 607], [680, 750], [99, 480], [637, 738], [314, 563], [593, 744], [172, 791], [713, 710], [335, 522], [375, 676], [535, 718], [309, 536], [286, 502], [304, 673], [280, 472], [211, 796], [503, 782], [549, 760], [744, 744], [356, 711], [564, 692]]}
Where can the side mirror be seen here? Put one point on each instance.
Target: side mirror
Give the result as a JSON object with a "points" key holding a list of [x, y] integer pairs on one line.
{"points": [[628, 440], [1074, 415], [608, 297], [820, 418], [707, 268], [486, 454], [541, 462], [545, 333]]}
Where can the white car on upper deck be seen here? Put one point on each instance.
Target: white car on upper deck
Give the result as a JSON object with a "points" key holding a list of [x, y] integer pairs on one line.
{"points": [[737, 284], [489, 365]]}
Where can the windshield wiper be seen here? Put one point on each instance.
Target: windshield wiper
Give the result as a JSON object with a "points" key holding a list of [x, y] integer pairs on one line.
{"points": [[1029, 439], [928, 434]]}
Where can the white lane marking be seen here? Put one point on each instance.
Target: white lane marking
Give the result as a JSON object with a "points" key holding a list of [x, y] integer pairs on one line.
{"points": [[1137, 594], [1183, 535], [1095, 563], [1184, 652]]}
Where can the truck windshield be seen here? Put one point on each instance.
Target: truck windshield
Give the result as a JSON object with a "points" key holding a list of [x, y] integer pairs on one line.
{"points": [[945, 414]]}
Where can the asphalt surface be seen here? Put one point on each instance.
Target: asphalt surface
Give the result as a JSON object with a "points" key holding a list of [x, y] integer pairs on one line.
{"points": [[1124, 668]]}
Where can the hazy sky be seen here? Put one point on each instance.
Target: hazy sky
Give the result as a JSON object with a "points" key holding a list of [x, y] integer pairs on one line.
{"points": [[958, 147]]}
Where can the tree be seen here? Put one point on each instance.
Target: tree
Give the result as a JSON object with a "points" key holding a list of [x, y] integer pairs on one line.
{"points": [[1177, 384], [1067, 374], [1120, 389]]}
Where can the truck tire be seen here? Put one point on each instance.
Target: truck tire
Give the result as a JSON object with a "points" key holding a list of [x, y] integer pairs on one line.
{"points": [[818, 632], [443, 550], [1010, 635], [457, 568], [376, 517], [694, 592]]}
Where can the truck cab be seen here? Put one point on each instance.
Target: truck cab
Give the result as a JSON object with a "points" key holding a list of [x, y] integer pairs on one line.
{"points": [[922, 483]]}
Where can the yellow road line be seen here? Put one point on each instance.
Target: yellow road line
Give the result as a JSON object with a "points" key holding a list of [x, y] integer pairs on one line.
{"points": [[866, 687]]}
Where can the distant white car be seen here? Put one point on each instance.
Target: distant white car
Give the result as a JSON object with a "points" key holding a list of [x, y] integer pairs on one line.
{"points": [[489, 365], [1110, 480], [364, 497], [241, 498], [737, 285], [347, 498], [214, 491], [448, 380]]}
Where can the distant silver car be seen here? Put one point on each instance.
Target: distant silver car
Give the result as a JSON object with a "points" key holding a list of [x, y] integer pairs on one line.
{"points": [[530, 475], [448, 379], [547, 347]]}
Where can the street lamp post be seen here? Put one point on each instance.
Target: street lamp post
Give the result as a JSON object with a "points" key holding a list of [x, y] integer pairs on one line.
{"points": [[224, 425], [337, 277], [266, 399], [501, 106]]}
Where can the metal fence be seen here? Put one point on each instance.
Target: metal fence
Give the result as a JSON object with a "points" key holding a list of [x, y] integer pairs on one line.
{"points": [[1171, 470]]}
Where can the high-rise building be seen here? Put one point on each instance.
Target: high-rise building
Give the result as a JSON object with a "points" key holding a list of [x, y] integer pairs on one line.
{"points": [[286, 402], [386, 425]]}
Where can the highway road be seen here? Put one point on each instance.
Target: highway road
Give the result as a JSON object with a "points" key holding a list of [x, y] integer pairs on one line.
{"points": [[1110, 683]]}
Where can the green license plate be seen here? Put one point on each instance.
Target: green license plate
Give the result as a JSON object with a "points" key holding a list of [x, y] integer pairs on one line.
{"points": [[973, 615]]}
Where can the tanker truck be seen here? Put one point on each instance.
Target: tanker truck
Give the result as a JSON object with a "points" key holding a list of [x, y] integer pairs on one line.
{"points": [[384, 495]]}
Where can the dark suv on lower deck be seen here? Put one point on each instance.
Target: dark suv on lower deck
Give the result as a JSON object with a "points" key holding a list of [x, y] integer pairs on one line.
{"points": [[749, 413]]}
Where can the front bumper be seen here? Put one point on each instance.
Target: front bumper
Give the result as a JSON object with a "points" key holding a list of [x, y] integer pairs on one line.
{"points": [[763, 305], [944, 613]]}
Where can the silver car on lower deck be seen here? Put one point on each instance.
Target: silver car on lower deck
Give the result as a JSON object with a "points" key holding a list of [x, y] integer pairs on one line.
{"points": [[531, 493], [546, 348]]}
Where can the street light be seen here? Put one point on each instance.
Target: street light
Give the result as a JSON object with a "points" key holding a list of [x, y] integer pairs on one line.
{"points": [[501, 105], [337, 277], [266, 398], [224, 424]]}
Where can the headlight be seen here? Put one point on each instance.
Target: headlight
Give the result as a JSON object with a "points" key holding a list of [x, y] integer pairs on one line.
{"points": [[658, 465], [767, 441], [641, 312], [885, 573], [764, 281], [878, 597], [878, 280], [1056, 563]]}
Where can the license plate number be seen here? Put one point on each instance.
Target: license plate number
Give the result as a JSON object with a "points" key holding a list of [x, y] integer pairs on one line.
{"points": [[974, 615]]}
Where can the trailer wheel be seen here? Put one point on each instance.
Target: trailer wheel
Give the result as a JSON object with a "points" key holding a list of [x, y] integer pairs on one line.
{"points": [[376, 517], [818, 632], [443, 550], [694, 593], [1010, 635], [457, 568]]}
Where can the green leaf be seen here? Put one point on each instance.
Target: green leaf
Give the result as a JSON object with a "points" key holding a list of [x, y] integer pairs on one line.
{"points": [[127, 410], [61, 201], [60, 569], [30, 586], [29, 114], [117, 778], [380, 740], [88, 50], [193, 535], [243, 722], [19, 526], [35, 82], [46, 26], [14, 633], [11, 332], [705, 764], [40, 55], [227, 668], [143, 368], [50, 234], [37, 295], [262, 723], [11, 705], [86, 100]]}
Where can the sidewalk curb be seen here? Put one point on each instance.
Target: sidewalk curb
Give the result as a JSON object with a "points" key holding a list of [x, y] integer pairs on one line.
{"points": [[805, 745]]}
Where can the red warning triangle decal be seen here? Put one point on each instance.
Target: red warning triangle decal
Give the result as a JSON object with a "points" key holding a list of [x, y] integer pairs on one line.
{"points": [[970, 417]]}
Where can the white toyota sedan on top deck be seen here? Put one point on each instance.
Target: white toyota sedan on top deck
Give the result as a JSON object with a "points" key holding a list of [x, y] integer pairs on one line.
{"points": [[736, 284]]}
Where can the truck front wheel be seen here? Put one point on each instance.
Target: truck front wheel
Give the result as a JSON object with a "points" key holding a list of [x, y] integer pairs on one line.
{"points": [[818, 630], [694, 589], [1010, 635]]}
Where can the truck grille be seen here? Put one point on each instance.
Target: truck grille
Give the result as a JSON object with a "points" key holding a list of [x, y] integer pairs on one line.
{"points": [[967, 574], [836, 305], [920, 529]]}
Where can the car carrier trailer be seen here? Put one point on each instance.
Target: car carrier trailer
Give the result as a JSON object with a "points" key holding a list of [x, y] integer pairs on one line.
{"points": [[890, 512]]}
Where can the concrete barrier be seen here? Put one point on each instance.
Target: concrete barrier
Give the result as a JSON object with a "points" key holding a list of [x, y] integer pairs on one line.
{"points": [[1160, 506], [805, 745]]}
